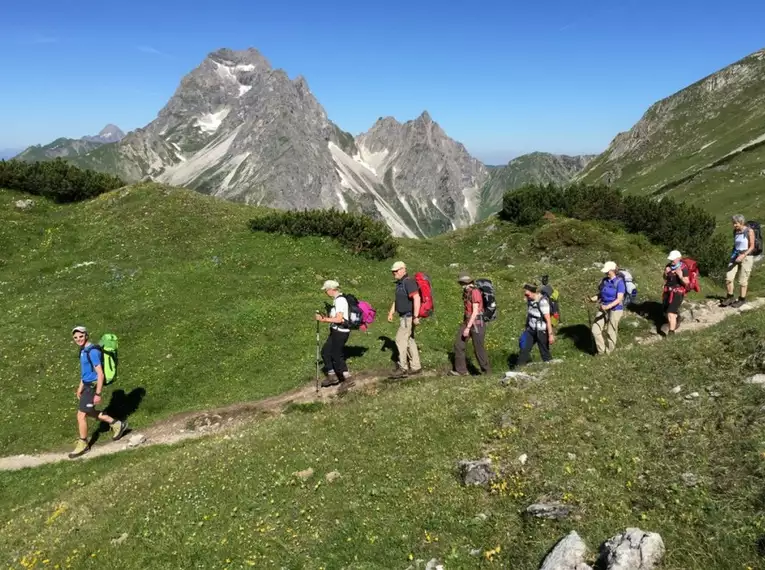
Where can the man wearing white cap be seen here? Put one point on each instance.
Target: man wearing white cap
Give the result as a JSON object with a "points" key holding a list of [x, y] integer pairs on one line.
{"points": [[407, 305], [611, 298], [333, 352], [89, 392], [675, 282]]}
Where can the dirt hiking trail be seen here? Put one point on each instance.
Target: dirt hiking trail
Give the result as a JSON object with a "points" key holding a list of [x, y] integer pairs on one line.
{"points": [[190, 425]]}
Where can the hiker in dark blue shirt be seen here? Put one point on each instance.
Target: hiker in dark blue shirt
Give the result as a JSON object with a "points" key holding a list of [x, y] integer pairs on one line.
{"points": [[89, 391]]}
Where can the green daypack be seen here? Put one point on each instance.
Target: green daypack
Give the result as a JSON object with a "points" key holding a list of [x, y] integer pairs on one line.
{"points": [[107, 347]]}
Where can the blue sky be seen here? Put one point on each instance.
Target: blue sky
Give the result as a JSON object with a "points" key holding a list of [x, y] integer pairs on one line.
{"points": [[504, 78]]}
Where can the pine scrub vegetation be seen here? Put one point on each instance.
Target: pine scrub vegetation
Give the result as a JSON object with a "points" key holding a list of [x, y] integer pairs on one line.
{"points": [[55, 179], [671, 224], [359, 234]]}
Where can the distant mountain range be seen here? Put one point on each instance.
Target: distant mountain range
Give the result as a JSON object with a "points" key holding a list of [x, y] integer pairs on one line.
{"points": [[69, 148], [238, 129]]}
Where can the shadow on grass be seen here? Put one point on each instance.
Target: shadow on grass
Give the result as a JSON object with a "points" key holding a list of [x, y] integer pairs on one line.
{"points": [[650, 310], [120, 407], [389, 344], [355, 351], [581, 337]]}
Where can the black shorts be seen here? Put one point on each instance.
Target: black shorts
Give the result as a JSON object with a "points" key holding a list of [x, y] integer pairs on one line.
{"points": [[673, 306], [86, 400]]}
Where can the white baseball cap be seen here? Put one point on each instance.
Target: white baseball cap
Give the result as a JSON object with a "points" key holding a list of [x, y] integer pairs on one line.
{"points": [[398, 265], [608, 266], [330, 284], [674, 254], [80, 329]]}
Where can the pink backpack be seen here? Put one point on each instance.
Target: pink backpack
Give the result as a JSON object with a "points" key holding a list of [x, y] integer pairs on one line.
{"points": [[368, 314]]}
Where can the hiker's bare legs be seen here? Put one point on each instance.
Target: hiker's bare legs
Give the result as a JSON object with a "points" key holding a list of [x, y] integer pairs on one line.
{"points": [[104, 418], [744, 291], [82, 424], [729, 287], [672, 319]]}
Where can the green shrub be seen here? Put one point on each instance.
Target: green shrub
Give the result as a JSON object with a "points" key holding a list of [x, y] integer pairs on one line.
{"points": [[55, 179], [674, 225], [358, 233]]}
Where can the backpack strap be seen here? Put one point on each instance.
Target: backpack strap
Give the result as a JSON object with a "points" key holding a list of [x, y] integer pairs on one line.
{"points": [[87, 350]]}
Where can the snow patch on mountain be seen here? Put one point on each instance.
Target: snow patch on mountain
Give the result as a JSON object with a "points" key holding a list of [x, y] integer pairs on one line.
{"points": [[211, 121]]}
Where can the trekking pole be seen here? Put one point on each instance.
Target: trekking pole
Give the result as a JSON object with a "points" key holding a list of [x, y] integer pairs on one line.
{"points": [[317, 355]]}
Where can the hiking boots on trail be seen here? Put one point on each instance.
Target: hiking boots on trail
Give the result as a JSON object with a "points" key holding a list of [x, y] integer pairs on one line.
{"points": [[739, 303], [118, 429], [80, 448], [330, 380]]}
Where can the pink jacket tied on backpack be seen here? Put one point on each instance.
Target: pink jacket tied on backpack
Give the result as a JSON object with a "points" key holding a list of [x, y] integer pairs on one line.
{"points": [[368, 315]]}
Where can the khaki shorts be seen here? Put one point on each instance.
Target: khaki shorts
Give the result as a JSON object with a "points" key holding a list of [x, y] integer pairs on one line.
{"points": [[743, 269]]}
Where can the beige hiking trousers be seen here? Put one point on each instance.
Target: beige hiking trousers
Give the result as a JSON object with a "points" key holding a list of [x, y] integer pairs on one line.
{"points": [[607, 323], [408, 355]]}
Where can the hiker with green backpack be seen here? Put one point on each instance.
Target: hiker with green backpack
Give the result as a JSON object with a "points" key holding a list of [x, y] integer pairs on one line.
{"points": [[89, 392], [747, 243]]}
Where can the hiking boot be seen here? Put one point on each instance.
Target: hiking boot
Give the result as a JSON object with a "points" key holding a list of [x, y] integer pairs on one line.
{"points": [[455, 373], [345, 385], [118, 428], [398, 373], [80, 448], [728, 301], [414, 372], [739, 303], [330, 380]]}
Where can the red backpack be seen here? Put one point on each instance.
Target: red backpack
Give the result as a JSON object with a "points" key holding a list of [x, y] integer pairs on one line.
{"points": [[693, 274], [426, 294]]}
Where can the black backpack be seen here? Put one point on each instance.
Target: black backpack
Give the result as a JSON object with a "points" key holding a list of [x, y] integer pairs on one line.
{"points": [[757, 237], [355, 315], [486, 287]]}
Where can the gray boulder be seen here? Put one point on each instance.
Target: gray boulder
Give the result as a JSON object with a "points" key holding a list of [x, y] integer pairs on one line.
{"points": [[634, 549], [568, 554], [479, 472]]}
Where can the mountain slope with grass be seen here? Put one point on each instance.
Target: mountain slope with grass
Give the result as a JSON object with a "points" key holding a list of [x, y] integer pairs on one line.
{"points": [[703, 144], [532, 168], [211, 313]]}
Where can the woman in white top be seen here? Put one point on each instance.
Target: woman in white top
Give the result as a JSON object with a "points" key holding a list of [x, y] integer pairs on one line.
{"points": [[333, 351], [741, 261]]}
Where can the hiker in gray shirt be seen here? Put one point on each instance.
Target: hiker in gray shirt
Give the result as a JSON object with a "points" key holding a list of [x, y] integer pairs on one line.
{"points": [[539, 329]]}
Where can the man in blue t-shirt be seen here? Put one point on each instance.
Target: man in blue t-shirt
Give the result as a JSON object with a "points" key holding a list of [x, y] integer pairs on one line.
{"points": [[610, 310], [89, 392]]}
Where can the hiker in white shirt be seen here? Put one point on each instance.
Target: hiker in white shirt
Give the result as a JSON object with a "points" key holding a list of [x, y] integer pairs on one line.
{"points": [[333, 351]]}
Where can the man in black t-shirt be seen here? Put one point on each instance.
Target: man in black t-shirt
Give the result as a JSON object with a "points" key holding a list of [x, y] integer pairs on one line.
{"points": [[675, 281], [407, 305]]}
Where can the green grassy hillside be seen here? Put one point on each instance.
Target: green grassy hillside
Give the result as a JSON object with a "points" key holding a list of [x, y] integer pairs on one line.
{"points": [[607, 437], [703, 143], [209, 313]]}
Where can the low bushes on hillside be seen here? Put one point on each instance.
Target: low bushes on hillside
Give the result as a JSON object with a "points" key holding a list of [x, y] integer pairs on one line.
{"points": [[360, 234], [674, 225], [55, 179]]}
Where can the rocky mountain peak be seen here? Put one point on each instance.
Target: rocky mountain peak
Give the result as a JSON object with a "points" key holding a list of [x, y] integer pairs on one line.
{"points": [[110, 133]]}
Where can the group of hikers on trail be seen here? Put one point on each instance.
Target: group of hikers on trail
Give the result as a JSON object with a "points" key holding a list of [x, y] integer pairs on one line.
{"points": [[413, 301]]}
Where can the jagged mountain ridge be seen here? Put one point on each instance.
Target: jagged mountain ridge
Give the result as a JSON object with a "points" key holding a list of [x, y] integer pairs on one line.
{"points": [[69, 148], [238, 129], [689, 132]]}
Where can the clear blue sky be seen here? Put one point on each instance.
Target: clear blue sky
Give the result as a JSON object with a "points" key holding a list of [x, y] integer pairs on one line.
{"points": [[504, 78]]}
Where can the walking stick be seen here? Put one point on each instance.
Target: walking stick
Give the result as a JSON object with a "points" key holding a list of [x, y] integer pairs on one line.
{"points": [[317, 355]]}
